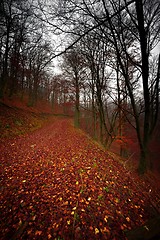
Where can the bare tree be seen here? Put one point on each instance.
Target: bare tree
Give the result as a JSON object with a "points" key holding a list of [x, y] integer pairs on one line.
{"points": [[75, 64]]}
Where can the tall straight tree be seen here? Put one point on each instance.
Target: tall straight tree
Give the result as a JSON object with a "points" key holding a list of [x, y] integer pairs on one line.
{"points": [[74, 65], [144, 30]]}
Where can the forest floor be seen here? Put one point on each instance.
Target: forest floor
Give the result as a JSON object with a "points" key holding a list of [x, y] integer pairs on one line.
{"points": [[57, 183]]}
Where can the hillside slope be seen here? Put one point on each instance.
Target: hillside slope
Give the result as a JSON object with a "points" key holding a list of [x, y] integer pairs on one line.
{"points": [[17, 119]]}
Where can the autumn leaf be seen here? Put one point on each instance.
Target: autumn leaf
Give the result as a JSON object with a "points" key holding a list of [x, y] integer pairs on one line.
{"points": [[68, 222], [128, 219], [116, 200], [38, 232], [96, 230], [49, 236]]}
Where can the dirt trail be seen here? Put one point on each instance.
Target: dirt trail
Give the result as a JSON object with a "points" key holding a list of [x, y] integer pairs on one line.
{"points": [[56, 183]]}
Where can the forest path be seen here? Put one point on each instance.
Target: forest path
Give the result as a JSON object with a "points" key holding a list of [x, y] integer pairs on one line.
{"points": [[56, 183]]}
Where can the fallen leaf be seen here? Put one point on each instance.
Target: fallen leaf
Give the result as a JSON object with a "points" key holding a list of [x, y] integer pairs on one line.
{"points": [[68, 222], [38, 233], [128, 219], [106, 219], [96, 231]]}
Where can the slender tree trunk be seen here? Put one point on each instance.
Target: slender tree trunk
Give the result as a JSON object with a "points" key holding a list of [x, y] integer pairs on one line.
{"points": [[119, 110], [93, 110], [4, 76], [143, 161], [145, 74], [22, 83], [35, 89], [77, 110]]}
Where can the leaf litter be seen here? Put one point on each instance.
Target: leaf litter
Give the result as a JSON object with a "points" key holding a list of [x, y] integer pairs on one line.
{"points": [[56, 183]]}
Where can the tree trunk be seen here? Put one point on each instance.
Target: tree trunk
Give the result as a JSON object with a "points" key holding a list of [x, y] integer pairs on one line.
{"points": [[145, 73], [4, 76], [93, 111], [77, 111], [143, 160]]}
